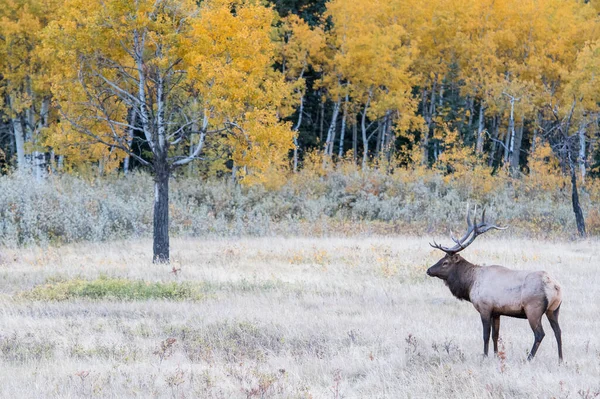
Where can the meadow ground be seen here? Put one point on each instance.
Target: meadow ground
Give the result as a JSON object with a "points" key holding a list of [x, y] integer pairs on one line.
{"points": [[283, 317]]}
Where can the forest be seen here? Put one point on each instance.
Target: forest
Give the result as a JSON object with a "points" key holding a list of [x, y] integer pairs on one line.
{"points": [[496, 94]]}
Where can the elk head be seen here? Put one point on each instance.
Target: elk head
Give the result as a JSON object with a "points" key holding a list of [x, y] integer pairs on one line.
{"points": [[447, 265]]}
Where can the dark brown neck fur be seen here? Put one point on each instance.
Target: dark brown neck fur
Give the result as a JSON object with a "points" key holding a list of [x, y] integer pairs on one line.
{"points": [[461, 280]]}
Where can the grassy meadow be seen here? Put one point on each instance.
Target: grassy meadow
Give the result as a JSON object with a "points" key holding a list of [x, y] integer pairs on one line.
{"points": [[283, 317]]}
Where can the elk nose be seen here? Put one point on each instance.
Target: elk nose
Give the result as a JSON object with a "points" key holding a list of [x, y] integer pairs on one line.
{"points": [[428, 272]]}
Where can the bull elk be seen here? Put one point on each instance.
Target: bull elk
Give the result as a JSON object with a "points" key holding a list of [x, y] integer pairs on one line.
{"points": [[498, 291]]}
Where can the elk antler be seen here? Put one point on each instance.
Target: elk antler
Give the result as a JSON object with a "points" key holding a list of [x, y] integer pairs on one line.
{"points": [[473, 230]]}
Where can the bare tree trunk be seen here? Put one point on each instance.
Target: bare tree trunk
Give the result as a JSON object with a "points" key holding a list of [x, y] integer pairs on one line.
{"points": [[40, 165], [425, 148], [296, 129], [13, 144], [342, 133], [480, 127], [37, 158], [510, 134], [516, 146], [299, 123], [432, 102], [363, 126], [425, 138], [570, 154], [322, 118], [161, 187], [428, 114], [19, 135], [161, 212], [52, 161], [44, 112], [193, 136], [540, 122], [332, 129], [581, 158], [495, 128], [41, 157], [390, 141], [471, 105], [384, 134], [132, 120], [575, 201], [390, 138], [354, 140], [378, 138], [506, 155], [17, 126]]}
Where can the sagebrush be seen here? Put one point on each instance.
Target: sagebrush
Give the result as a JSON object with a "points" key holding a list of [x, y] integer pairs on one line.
{"points": [[316, 201]]}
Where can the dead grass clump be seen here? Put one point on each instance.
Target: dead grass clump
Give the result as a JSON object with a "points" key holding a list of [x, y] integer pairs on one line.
{"points": [[235, 341], [26, 348]]}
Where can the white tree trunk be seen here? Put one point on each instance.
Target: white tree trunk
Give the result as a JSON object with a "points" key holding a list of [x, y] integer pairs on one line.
{"points": [[510, 135], [139, 43], [509, 144], [516, 146], [383, 136], [495, 135], [391, 138], [130, 132], [363, 127], [296, 129], [354, 140], [17, 126], [19, 135], [480, 127], [40, 164], [343, 132], [331, 130], [193, 140]]}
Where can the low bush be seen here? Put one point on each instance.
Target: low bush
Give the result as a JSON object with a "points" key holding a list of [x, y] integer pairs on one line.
{"points": [[324, 199], [112, 288]]}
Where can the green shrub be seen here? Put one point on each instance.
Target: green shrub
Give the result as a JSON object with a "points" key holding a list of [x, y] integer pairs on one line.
{"points": [[113, 288]]}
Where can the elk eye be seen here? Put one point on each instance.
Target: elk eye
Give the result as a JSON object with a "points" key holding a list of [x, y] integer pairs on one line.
{"points": [[445, 264]]}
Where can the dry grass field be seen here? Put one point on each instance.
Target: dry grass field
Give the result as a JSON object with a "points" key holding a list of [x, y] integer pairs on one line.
{"points": [[283, 317]]}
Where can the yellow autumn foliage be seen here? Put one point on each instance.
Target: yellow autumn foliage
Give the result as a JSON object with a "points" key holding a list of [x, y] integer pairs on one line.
{"points": [[217, 59]]}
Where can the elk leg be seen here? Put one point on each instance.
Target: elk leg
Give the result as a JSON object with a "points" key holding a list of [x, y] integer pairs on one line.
{"points": [[553, 319], [495, 332], [487, 323], [535, 322]]}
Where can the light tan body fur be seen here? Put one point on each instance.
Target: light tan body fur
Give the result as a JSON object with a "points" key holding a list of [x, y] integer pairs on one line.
{"points": [[499, 290]]}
